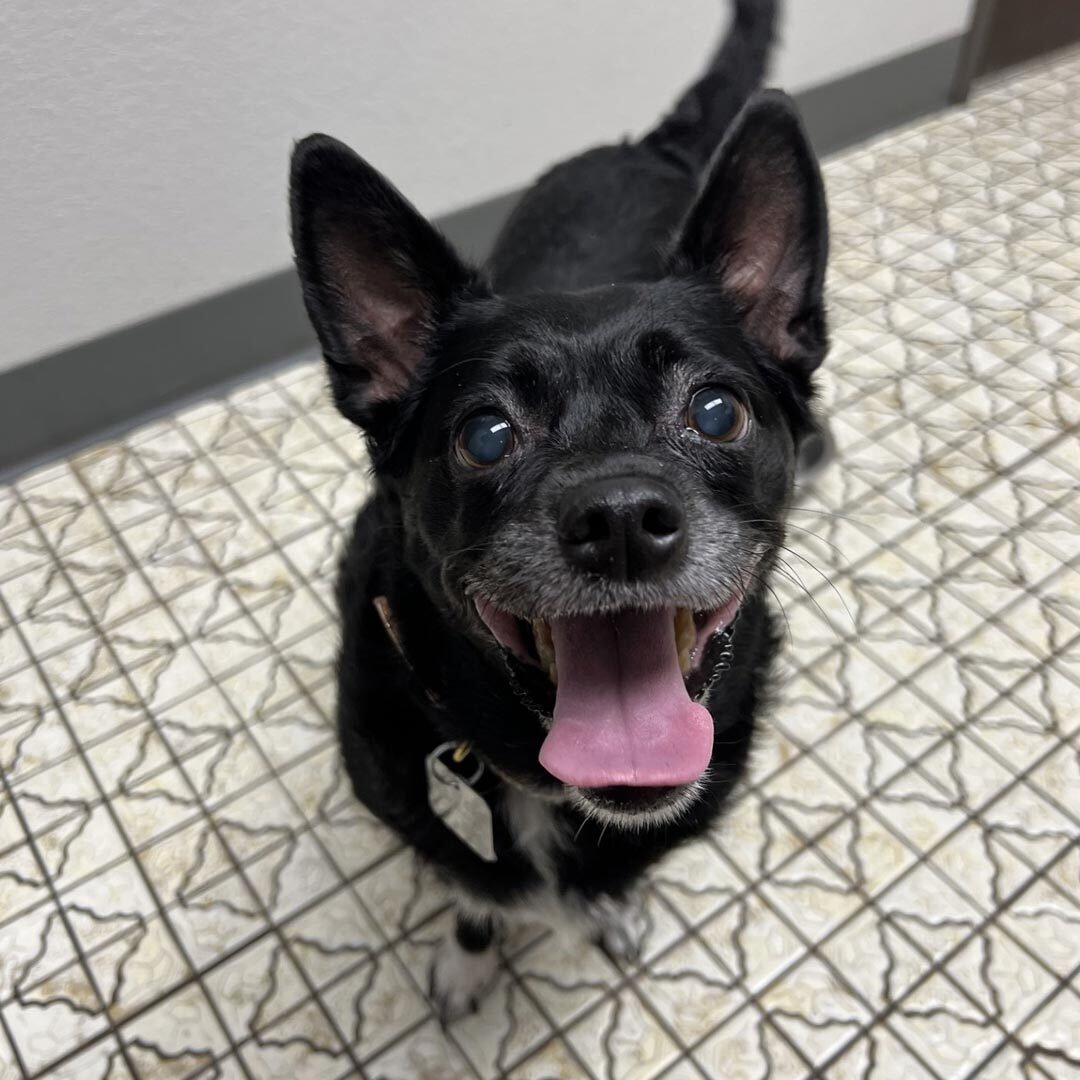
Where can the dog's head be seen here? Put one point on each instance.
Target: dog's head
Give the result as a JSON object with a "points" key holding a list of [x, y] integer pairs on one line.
{"points": [[591, 483]]}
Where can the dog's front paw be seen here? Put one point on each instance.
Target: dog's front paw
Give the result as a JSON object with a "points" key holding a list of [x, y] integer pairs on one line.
{"points": [[621, 926], [459, 979]]}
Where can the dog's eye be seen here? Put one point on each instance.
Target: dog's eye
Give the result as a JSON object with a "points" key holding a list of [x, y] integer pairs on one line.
{"points": [[718, 414], [485, 439]]}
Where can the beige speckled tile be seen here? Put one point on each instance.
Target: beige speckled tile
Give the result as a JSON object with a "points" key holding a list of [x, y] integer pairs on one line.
{"points": [[188, 888]]}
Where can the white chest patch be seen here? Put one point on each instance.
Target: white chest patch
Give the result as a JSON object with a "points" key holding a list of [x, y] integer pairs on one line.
{"points": [[541, 835], [537, 831]]}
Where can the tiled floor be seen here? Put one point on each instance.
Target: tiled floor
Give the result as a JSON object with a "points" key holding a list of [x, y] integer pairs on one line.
{"points": [[188, 889]]}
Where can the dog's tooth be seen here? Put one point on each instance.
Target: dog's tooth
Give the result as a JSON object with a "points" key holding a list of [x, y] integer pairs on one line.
{"points": [[545, 647], [685, 633], [685, 659], [685, 637]]}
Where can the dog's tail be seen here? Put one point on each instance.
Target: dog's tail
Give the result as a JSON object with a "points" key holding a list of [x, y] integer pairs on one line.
{"points": [[694, 128]]}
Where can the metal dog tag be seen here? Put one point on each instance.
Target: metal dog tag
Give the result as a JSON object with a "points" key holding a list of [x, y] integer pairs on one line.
{"points": [[461, 809]]}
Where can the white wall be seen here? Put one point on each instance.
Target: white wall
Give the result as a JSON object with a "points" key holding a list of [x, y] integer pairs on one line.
{"points": [[143, 143]]}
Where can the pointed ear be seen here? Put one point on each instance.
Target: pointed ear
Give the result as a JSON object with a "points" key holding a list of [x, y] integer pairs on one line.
{"points": [[760, 228], [377, 277]]}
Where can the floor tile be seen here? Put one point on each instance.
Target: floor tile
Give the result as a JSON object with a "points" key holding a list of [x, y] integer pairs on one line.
{"points": [[188, 887]]}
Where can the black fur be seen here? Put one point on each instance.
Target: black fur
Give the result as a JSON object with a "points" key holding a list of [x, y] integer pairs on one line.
{"points": [[474, 935], [625, 280]]}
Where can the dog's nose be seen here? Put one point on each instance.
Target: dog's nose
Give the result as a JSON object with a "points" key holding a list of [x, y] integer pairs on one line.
{"points": [[622, 527]]}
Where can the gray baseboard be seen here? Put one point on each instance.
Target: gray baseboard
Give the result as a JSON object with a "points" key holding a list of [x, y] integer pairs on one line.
{"points": [[103, 387], [866, 103], [114, 382]]}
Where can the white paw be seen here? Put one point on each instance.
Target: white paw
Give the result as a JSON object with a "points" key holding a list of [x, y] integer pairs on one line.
{"points": [[621, 926], [459, 979]]}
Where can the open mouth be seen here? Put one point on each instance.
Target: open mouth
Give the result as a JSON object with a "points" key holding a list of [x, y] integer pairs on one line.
{"points": [[625, 714]]}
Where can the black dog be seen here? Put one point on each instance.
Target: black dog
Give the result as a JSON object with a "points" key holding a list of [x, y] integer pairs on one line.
{"points": [[555, 635]]}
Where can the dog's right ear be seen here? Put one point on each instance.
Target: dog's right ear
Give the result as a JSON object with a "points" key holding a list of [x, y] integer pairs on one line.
{"points": [[377, 277]]}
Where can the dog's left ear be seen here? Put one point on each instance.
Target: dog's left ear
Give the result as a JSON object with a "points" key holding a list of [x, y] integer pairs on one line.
{"points": [[759, 227], [377, 277]]}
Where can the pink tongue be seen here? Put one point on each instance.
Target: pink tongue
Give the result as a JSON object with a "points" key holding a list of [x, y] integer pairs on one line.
{"points": [[622, 713]]}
